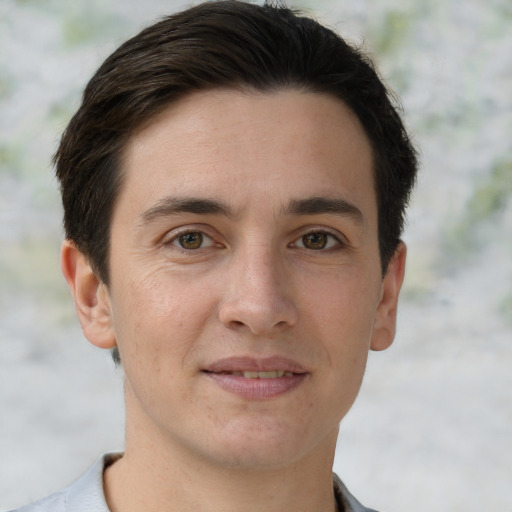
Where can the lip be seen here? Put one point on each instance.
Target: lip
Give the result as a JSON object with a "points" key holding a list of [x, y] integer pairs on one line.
{"points": [[221, 372], [254, 364]]}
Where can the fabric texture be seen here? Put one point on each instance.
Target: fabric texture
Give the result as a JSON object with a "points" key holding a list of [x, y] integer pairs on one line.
{"points": [[86, 494]]}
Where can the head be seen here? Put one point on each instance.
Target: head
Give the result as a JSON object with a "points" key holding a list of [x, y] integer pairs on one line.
{"points": [[234, 186]]}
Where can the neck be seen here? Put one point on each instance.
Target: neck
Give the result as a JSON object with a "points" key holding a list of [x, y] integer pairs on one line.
{"points": [[130, 489], [166, 477]]}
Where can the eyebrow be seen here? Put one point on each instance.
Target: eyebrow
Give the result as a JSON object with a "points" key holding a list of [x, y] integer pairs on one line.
{"points": [[320, 205], [203, 206], [173, 205]]}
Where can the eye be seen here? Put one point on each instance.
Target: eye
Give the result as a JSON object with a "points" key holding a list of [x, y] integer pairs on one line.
{"points": [[318, 240], [191, 240]]}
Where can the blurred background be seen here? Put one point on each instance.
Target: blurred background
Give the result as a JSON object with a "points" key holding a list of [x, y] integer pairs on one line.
{"points": [[432, 427]]}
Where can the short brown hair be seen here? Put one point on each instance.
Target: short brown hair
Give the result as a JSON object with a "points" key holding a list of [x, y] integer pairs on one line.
{"points": [[221, 44]]}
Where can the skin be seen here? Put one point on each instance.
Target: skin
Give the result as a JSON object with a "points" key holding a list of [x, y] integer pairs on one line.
{"points": [[261, 275]]}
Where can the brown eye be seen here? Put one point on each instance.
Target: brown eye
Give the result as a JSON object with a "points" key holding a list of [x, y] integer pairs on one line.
{"points": [[318, 241], [315, 240], [190, 240]]}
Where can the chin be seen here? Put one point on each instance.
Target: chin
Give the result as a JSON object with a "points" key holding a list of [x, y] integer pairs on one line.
{"points": [[256, 458], [266, 446]]}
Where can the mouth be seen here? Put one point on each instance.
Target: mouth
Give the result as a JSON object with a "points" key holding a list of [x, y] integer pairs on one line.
{"points": [[272, 374], [257, 379]]}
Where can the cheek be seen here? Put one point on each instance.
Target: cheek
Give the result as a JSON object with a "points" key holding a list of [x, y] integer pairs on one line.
{"points": [[158, 326], [345, 302], [345, 327], [157, 315], [341, 313]]}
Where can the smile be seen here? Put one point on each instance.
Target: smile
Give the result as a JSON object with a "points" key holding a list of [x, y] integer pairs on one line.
{"points": [[256, 379]]}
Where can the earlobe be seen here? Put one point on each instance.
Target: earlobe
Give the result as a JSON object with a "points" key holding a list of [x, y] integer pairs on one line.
{"points": [[92, 300], [385, 322]]}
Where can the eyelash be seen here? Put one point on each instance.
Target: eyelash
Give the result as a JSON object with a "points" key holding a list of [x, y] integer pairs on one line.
{"points": [[332, 242], [174, 240], [330, 237]]}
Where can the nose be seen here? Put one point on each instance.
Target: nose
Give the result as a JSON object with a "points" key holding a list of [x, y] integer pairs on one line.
{"points": [[259, 295]]}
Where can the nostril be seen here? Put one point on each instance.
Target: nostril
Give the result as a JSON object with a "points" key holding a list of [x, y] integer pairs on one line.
{"points": [[259, 316]]}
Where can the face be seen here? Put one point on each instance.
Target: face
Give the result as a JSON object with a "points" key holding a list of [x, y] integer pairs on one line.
{"points": [[245, 282]]}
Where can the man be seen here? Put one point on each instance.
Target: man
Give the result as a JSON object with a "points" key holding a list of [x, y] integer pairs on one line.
{"points": [[234, 186]]}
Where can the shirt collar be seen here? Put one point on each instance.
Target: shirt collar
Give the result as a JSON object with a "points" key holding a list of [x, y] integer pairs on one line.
{"points": [[345, 500], [86, 494]]}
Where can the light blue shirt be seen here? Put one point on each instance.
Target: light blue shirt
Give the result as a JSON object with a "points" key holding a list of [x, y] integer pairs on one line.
{"points": [[86, 494]]}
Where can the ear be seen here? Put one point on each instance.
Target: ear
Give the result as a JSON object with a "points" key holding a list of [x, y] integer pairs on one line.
{"points": [[92, 300], [384, 328]]}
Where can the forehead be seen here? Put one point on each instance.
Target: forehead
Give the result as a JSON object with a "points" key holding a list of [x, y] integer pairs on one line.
{"points": [[242, 145]]}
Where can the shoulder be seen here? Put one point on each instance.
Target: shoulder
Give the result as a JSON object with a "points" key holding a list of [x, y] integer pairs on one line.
{"points": [[346, 501], [54, 503], [84, 495]]}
